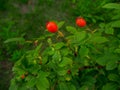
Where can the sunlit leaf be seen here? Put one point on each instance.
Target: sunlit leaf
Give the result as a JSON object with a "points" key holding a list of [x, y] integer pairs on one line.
{"points": [[59, 45], [99, 39], [65, 61], [71, 29], [14, 40], [112, 6], [110, 86], [60, 24], [42, 81]]}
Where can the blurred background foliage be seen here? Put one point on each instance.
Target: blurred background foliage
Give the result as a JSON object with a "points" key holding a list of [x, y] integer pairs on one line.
{"points": [[27, 19]]}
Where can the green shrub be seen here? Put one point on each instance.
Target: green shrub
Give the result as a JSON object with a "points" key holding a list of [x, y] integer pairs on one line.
{"points": [[85, 59]]}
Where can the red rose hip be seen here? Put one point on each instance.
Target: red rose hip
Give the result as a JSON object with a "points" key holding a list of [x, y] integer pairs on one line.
{"points": [[22, 76], [52, 27], [81, 22], [69, 72]]}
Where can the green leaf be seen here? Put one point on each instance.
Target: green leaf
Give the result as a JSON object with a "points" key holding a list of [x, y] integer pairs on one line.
{"points": [[115, 24], [110, 86], [102, 60], [65, 61], [13, 85], [60, 24], [48, 51], [63, 86], [71, 87], [112, 6], [73, 1], [32, 82], [37, 50], [116, 17], [61, 72], [49, 41], [78, 37], [109, 60], [89, 81], [114, 77], [99, 39], [42, 81], [59, 45], [14, 40], [117, 51], [65, 51], [71, 29], [56, 57], [84, 88], [109, 31], [84, 51], [22, 87], [111, 65], [44, 60]]}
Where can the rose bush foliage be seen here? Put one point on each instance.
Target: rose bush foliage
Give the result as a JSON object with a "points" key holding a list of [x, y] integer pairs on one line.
{"points": [[85, 58]]}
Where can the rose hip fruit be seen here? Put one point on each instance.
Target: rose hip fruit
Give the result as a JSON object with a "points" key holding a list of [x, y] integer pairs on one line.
{"points": [[52, 27], [23, 76], [81, 22]]}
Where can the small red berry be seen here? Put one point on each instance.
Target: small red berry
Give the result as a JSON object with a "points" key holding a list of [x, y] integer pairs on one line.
{"points": [[69, 72], [23, 76], [81, 22], [52, 27]]}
